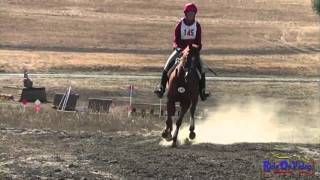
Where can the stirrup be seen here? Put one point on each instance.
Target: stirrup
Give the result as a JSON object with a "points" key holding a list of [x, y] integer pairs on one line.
{"points": [[204, 95], [159, 92]]}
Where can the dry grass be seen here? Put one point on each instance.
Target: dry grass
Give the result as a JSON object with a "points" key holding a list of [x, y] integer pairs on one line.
{"points": [[68, 62], [250, 37], [47, 118], [273, 37], [44, 61], [299, 102]]}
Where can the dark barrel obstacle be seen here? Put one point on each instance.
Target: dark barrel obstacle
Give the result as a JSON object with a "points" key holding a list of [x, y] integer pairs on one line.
{"points": [[32, 94], [70, 105]]}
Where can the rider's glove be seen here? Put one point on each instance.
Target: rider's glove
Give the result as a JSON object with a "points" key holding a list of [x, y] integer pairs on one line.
{"points": [[178, 49]]}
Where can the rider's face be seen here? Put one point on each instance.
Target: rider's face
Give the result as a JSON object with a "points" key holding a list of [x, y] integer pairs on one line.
{"points": [[190, 16]]}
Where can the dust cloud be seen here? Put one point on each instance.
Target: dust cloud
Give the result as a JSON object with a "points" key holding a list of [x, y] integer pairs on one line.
{"points": [[255, 120]]}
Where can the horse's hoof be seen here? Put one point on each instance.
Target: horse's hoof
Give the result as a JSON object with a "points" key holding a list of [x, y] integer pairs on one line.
{"points": [[187, 141], [169, 138], [192, 135], [164, 134], [167, 135], [174, 144]]}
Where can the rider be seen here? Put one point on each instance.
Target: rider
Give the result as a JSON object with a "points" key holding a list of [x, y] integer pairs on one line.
{"points": [[187, 32]]}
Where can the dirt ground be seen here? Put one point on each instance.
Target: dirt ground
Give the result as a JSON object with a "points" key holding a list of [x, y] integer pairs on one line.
{"points": [[45, 154], [52, 145]]}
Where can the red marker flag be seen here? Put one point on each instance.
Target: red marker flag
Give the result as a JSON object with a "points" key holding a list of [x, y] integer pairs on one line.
{"points": [[37, 106]]}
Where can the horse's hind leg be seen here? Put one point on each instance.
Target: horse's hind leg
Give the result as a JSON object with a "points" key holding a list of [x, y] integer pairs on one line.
{"points": [[192, 134]]}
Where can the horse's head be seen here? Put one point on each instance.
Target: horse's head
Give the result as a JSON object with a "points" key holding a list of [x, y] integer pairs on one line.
{"points": [[190, 56], [190, 59]]}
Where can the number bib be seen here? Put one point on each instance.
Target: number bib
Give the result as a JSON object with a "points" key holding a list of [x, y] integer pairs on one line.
{"points": [[188, 32]]}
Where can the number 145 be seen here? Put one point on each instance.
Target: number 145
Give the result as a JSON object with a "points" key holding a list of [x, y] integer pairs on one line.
{"points": [[189, 32]]}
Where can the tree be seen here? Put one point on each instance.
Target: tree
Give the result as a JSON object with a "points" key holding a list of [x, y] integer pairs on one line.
{"points": [[316, 6]]}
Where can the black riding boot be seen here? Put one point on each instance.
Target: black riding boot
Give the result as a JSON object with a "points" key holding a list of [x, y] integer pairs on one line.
{"points": [[202, 87], [162, 88]]}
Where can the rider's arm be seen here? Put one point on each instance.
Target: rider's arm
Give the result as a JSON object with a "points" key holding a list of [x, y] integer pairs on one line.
{"points": [[177, 36], [198, 36]]}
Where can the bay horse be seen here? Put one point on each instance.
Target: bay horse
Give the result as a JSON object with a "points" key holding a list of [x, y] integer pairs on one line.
{"points": [[183, 87]]}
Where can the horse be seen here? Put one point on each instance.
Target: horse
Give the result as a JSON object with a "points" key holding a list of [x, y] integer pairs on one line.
{"points": [[183, 87]]}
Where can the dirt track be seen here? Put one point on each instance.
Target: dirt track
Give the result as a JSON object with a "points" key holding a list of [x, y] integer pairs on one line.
{"points": [[153, 77], [48, 154]]}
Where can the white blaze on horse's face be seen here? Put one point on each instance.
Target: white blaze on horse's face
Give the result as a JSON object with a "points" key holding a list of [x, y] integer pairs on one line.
{"points": [[181, 90]]}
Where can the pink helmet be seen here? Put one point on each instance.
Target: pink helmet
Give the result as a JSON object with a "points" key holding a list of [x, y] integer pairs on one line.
{"points": [[190, 7]]}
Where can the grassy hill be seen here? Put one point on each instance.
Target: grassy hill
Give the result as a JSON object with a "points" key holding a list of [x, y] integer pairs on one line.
{"points": [[256, 37]]}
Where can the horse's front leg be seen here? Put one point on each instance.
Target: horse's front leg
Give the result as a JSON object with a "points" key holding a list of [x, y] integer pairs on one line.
{"points": [[192, 134], [166, 133], [178, 124]]}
